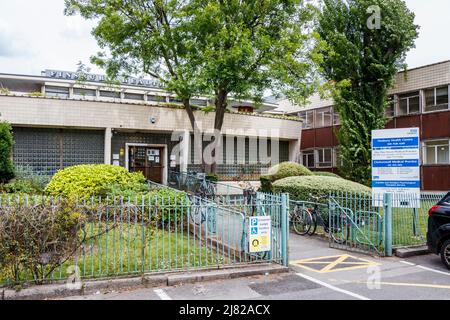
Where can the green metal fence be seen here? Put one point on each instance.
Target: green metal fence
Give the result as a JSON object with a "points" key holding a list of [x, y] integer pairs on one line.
{"points": [[409, 225], [122, 237], [368, 224]]}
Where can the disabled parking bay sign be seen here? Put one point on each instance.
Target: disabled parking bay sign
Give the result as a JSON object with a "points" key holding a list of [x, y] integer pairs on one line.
{"points": [[260, 234]]}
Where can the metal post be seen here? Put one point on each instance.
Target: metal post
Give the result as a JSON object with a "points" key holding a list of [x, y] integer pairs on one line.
{"points": [[284, 229], [387, 203]]}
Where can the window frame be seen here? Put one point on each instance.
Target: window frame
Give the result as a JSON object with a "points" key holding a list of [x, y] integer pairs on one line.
{"points": [[409, 96], [305, 124], [435, 99], [55, 93], [309, 152], [322, 150], [319, 113], [425, 147]]}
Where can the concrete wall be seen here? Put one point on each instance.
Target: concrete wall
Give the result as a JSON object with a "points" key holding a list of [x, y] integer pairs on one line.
{"points": [[24, 111]]}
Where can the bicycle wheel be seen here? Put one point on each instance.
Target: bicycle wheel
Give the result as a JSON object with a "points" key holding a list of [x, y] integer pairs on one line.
{"points": [[339, 230], [196, 214], [313, 229], [302, 221]]}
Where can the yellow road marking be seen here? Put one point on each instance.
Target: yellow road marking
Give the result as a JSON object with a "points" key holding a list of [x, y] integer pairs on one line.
{"points": [[333, 263]]}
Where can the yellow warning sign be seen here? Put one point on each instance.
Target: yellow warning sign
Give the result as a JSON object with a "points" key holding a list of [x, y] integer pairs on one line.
{"points": [[343, 262]]}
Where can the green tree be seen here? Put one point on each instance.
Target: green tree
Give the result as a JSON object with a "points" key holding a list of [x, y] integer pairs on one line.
{"points": [[367, 44], [144, 37], [250, 47], [6, 144], [215, 48]]}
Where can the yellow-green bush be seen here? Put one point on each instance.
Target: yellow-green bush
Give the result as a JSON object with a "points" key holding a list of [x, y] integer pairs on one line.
{"points": [[85, 181]]}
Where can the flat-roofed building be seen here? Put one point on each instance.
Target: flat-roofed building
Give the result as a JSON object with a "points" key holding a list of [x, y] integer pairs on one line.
{"points": [[61, 119]]}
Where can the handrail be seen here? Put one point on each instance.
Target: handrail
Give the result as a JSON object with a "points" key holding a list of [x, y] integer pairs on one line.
{"points": [[354, 224]]}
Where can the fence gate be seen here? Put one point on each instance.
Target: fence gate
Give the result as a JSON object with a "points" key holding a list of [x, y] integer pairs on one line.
{"points": [[356, 224]]}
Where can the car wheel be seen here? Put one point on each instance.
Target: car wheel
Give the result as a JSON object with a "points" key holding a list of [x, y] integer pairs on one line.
{"points": [[445, 253]]}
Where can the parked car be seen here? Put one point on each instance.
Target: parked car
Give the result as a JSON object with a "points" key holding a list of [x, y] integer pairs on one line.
{"points": [[438, 235]]}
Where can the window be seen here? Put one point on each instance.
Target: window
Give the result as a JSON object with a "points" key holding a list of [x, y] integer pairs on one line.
{"points": [[409, 104], [198, 102], [325, 158], [175, 100], [84, 92], [110, 94], [436, 152], [336, 118], [156, 98], [323, 118], [134, 96], [390, 110], [61, 92], [307, 117], [436, 99], [308, 159]]}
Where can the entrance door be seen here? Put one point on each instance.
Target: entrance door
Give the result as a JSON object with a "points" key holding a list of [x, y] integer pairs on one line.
{"points": [[149, 161]]}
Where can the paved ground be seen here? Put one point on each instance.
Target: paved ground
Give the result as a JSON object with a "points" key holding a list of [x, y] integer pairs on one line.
{"points": [[319, 273]]}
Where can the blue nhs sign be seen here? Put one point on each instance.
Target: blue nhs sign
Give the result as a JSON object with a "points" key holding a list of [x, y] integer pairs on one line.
{"points": [[396, 165]]}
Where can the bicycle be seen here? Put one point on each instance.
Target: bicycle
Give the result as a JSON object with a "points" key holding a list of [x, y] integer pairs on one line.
{"points": [[301, 220], [338, 231], [202, 212]]}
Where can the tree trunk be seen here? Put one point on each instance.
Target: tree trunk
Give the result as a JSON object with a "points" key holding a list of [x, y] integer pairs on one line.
{"points": [[195, 129], [221, 103]]}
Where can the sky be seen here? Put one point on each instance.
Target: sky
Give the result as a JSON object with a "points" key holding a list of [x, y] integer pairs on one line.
{"points": [[35, 35]]}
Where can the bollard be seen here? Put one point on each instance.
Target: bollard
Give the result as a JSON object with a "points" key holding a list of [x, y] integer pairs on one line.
{"points": [[387, 204], [285, 229]]}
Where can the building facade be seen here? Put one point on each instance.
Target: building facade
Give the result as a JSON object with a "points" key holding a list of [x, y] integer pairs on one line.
{"points": [[59, 121], [419, 98]]}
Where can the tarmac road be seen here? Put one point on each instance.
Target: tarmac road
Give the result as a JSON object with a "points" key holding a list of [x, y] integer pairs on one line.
{"points": [[318, 273]]}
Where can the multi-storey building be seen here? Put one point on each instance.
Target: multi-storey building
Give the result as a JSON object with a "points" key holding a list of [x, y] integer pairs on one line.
{"points": [[420, 98], [61, 119]]}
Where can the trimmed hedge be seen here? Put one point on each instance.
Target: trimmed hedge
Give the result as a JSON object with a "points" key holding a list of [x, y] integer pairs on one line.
{"points": [[299, 188], [326, 174], [288, 169], [85, 181], [281, 171]]}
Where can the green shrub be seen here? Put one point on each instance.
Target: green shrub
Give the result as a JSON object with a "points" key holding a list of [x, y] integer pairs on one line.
{"points": [[19, 186], [171, 205], [266, 184], [212, 177], [6, 144], [85, 181], [288, 169], [299, 188], [326, 174]]}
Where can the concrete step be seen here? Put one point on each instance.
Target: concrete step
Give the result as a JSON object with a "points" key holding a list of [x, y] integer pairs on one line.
{"points": [[411, 251]]}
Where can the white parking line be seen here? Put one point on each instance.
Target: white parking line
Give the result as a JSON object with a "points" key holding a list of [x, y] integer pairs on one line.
{"points": [[434, 270], [329, 286], [162, 294], [425, 268]]}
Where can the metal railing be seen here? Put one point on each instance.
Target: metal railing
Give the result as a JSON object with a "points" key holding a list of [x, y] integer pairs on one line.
{"points": [[158, 233], [410, 225]]}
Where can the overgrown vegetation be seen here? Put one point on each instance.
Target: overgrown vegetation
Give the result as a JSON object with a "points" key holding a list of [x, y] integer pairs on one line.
{"points": [[36, 239], [367, 43], [6, 144]]}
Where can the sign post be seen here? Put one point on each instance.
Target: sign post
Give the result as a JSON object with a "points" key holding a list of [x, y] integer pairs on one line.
{"points": [[396, 166]]}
